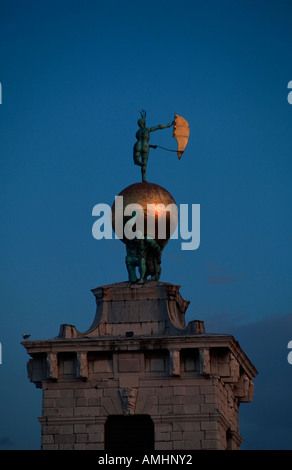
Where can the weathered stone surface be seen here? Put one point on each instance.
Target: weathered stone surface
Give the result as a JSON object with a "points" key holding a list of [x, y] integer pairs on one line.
{"points": [[52, 366], [174, 363], [152, 308], [82, 366]]}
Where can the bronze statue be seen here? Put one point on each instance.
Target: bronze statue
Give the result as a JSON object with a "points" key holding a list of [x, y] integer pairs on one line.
{"points": [[141, 147], [144, 254]]}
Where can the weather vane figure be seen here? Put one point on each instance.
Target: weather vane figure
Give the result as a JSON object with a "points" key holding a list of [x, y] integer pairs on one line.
{"points": [[141, 148], [144, 252]]}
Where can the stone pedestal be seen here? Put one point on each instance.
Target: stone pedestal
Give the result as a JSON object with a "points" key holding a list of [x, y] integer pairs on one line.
{"points": [[140, 368]]}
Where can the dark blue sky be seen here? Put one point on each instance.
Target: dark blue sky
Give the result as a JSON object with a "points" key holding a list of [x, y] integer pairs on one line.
{"points": [[74, 76]]}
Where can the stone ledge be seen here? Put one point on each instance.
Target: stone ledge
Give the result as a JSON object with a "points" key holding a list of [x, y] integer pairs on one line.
{"points": [[142, 343]]}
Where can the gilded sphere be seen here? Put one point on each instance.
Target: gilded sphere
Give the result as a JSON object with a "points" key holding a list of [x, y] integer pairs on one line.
{"points": [[145, 209]]}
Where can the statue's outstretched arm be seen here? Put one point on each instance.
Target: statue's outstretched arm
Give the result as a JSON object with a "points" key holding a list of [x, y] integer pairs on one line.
{"points": [[161, 126]]}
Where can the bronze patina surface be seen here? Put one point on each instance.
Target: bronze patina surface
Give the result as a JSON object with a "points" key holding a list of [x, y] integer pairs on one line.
{"points": [[148, 194], [158, 206], [141, 147]]}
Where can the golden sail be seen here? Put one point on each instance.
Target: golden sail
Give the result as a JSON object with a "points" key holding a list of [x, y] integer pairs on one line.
{"points": [[181, 131]]}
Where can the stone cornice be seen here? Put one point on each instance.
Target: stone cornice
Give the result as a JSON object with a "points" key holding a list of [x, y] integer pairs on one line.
{"points": [[143, 343]]}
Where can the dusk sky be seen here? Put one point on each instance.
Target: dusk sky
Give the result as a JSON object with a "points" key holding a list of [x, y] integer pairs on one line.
{"points": [[74, 76]]}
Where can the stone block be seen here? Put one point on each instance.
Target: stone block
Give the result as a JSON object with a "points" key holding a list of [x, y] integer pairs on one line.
{"points": [[48, 439], [192, 400], [176, 400], [66, 446], [178, 445], [95, 437], [208, 408], [49, 429], [165, 409], [50, 447], [82, 402], [91, 393], [102, 364], [186, 426], [53, 411], [84, 411], [79, 428], [108, 405], [212, 435], [66, 393], [193, 435], [66, 429], [79, 393], [192, 390], [210, 444], [209, 426], [68, 439], [95, 446], [212, 398], [129, 381], [110, 392], [157, 364], [178, 409], [164, 400], [142, 397], [162, 436], [207, 389], [81, 438], [65, 412], [224, 366], [164, 391], [191, 408], [49, 403], [176, 435], [162, 445], [179, 390], [163, 427], [129, 365], [192, 444], [65, 402], [51, 394], [79, 446], [151, 407], [96, 429]]}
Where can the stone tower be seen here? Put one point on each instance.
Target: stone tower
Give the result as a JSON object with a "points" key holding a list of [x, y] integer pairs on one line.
{"points": [[140, 378]]}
